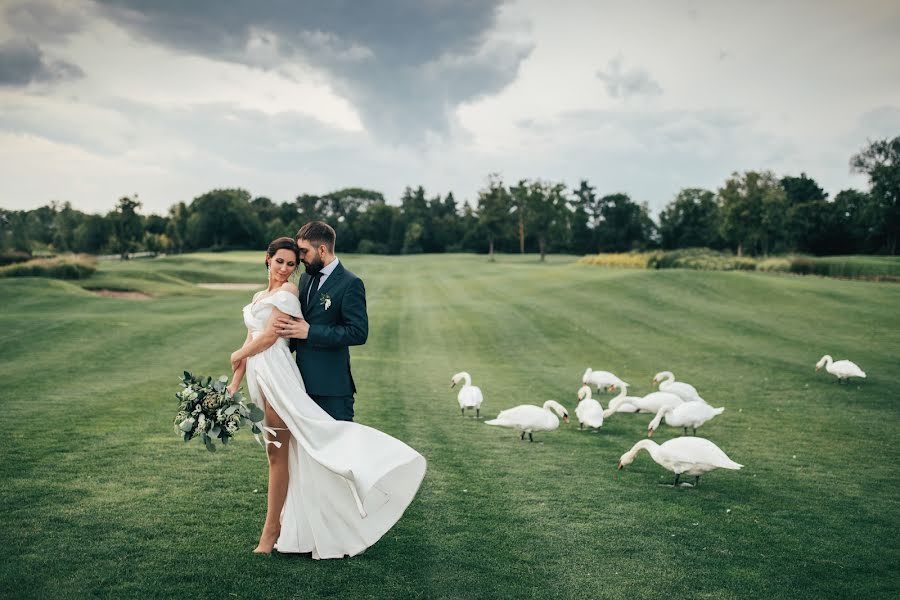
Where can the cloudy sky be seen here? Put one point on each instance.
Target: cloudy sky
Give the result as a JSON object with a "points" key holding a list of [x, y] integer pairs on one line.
{"points": [[168, 99]]}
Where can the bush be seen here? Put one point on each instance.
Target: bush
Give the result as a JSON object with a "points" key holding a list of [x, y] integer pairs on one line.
{"points": [[631, 260], [778, 265], [13, 257], [67, 267]]}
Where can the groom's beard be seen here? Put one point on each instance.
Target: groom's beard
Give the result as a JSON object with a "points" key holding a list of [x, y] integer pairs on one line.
{"points": [[314, 266]]}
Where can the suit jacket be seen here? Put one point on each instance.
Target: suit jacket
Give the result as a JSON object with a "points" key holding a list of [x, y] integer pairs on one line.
{"points": [[324, 357]]}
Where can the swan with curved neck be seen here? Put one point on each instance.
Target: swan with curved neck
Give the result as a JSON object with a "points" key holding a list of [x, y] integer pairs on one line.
{"points": [[683, 456], [528, 418], [686, 414], [601, 379], [622, 403], [589, 411], [667, 383], [842, 369], [469, 395]]}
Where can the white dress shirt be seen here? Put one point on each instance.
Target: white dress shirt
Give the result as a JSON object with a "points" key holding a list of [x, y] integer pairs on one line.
{"points": [[323, 275]]}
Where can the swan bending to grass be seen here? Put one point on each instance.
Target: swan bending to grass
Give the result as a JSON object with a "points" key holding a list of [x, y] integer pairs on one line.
{"points": [[683, 456], [528, 418], [622, 403], [842, 369], [601, 379], [686, 414]]}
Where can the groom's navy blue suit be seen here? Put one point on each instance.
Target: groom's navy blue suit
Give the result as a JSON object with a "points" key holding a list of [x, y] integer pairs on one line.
{"points": [[324, 356]]}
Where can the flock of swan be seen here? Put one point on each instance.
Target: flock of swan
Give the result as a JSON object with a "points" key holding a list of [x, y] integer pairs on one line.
{"points": [[676, 402]]}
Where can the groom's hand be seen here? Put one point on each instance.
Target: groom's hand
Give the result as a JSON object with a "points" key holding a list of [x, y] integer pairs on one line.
{"points": [[292, 328]]}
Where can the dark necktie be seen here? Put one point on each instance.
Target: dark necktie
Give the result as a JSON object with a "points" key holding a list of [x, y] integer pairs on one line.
{"points": [[313, 286]]}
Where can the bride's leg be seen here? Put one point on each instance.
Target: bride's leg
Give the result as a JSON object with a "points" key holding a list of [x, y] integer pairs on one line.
{"points": [[278, 481]]}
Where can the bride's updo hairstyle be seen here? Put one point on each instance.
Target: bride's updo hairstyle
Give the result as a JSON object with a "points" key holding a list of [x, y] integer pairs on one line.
{"points": [[282, 243]]}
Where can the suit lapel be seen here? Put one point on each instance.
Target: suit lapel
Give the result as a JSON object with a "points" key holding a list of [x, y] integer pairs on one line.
{"points": [[337, 274], [305, 282]]}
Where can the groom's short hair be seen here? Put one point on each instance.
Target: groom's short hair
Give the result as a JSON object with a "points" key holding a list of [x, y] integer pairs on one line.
{"points": [[317, 233]]}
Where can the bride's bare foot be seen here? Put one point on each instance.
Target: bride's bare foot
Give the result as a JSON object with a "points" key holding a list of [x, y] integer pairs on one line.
{"points": [[266, 542]]}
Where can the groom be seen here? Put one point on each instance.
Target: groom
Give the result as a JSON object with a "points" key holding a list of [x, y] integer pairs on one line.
{"points": [[333, 301]]}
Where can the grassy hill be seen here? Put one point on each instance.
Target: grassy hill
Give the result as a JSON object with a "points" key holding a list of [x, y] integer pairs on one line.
{"points": [[101, 498]]}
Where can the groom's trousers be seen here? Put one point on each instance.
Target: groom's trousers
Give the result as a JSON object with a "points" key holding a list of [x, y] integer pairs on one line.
{"points": [[339, 407]]}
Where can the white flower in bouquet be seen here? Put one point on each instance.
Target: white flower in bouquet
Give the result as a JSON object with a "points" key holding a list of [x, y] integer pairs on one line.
{"points": [[218, 415]]}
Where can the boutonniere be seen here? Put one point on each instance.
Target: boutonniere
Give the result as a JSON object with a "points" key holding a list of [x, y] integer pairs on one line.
{"points": [[325, 300]]}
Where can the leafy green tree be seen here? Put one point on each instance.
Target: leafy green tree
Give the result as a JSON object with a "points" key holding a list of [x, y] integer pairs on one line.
{"points": [[585, 215], [624, 225], [127, 225], [691, 220], [93, 234], [494, 206], [754, 212], [808, 213], [880, 160], [224, 219], [518, 195], [545, 211]]}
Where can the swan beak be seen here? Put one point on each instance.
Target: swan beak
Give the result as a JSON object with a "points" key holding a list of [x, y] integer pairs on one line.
{"points": [[566, 418], [452, 385], [817, 368], [650, 433], [621, 466]]}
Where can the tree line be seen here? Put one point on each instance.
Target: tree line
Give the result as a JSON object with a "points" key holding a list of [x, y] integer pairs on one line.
{"points": [[754, 212]]}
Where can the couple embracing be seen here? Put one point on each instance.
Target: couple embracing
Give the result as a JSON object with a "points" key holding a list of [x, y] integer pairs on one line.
{"points": [[335, 486]]}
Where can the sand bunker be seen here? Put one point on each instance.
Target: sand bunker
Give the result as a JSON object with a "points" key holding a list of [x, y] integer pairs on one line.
{"points": [[230, 286], [120, 294]]}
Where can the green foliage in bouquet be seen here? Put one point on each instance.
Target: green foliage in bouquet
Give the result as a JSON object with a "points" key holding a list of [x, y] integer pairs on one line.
{"points": [[206, 408]]}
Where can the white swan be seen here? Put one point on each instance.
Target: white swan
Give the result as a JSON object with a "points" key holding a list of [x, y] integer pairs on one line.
{"points": [[588, 411], [529, 418], [601, 379], [622, 403], [683, 455], [842, 369], [667, 383], [651, 403], [469, 395], [686, 414]]}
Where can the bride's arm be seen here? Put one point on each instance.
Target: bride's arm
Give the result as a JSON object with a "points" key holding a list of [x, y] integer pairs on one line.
{"points": [[262, 342], [239, 369]]}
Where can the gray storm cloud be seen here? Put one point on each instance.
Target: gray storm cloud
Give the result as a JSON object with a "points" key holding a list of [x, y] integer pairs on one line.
{"points": [[22, 62], [405, 64]]}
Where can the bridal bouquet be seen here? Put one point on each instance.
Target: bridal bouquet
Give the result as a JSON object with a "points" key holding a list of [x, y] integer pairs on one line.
{"points": [[207, 409]]}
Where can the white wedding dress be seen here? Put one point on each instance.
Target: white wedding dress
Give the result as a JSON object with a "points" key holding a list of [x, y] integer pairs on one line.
{"points": [[349, 483]]}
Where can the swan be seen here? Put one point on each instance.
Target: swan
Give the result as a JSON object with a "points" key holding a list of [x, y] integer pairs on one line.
{"points": [[685, 391], [601, 379], [842, 369], [686, 414], [469, 395], [683, 456], [588, 411], [529, 418], [622, 403], [651, 403]]}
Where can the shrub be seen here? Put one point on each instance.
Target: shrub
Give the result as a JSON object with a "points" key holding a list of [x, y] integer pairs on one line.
{"points": [[778, 264], [14, 256], [64, 267], [631, 260]]}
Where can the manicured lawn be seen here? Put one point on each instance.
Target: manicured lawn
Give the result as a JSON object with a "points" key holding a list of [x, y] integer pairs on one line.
{"points": [[100, 498]]}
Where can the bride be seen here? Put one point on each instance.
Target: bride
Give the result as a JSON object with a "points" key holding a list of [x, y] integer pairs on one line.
{"points": [[335, 487]]}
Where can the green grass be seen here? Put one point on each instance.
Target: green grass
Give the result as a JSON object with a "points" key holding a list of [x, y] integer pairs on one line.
{"points": [[101, 499]]}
